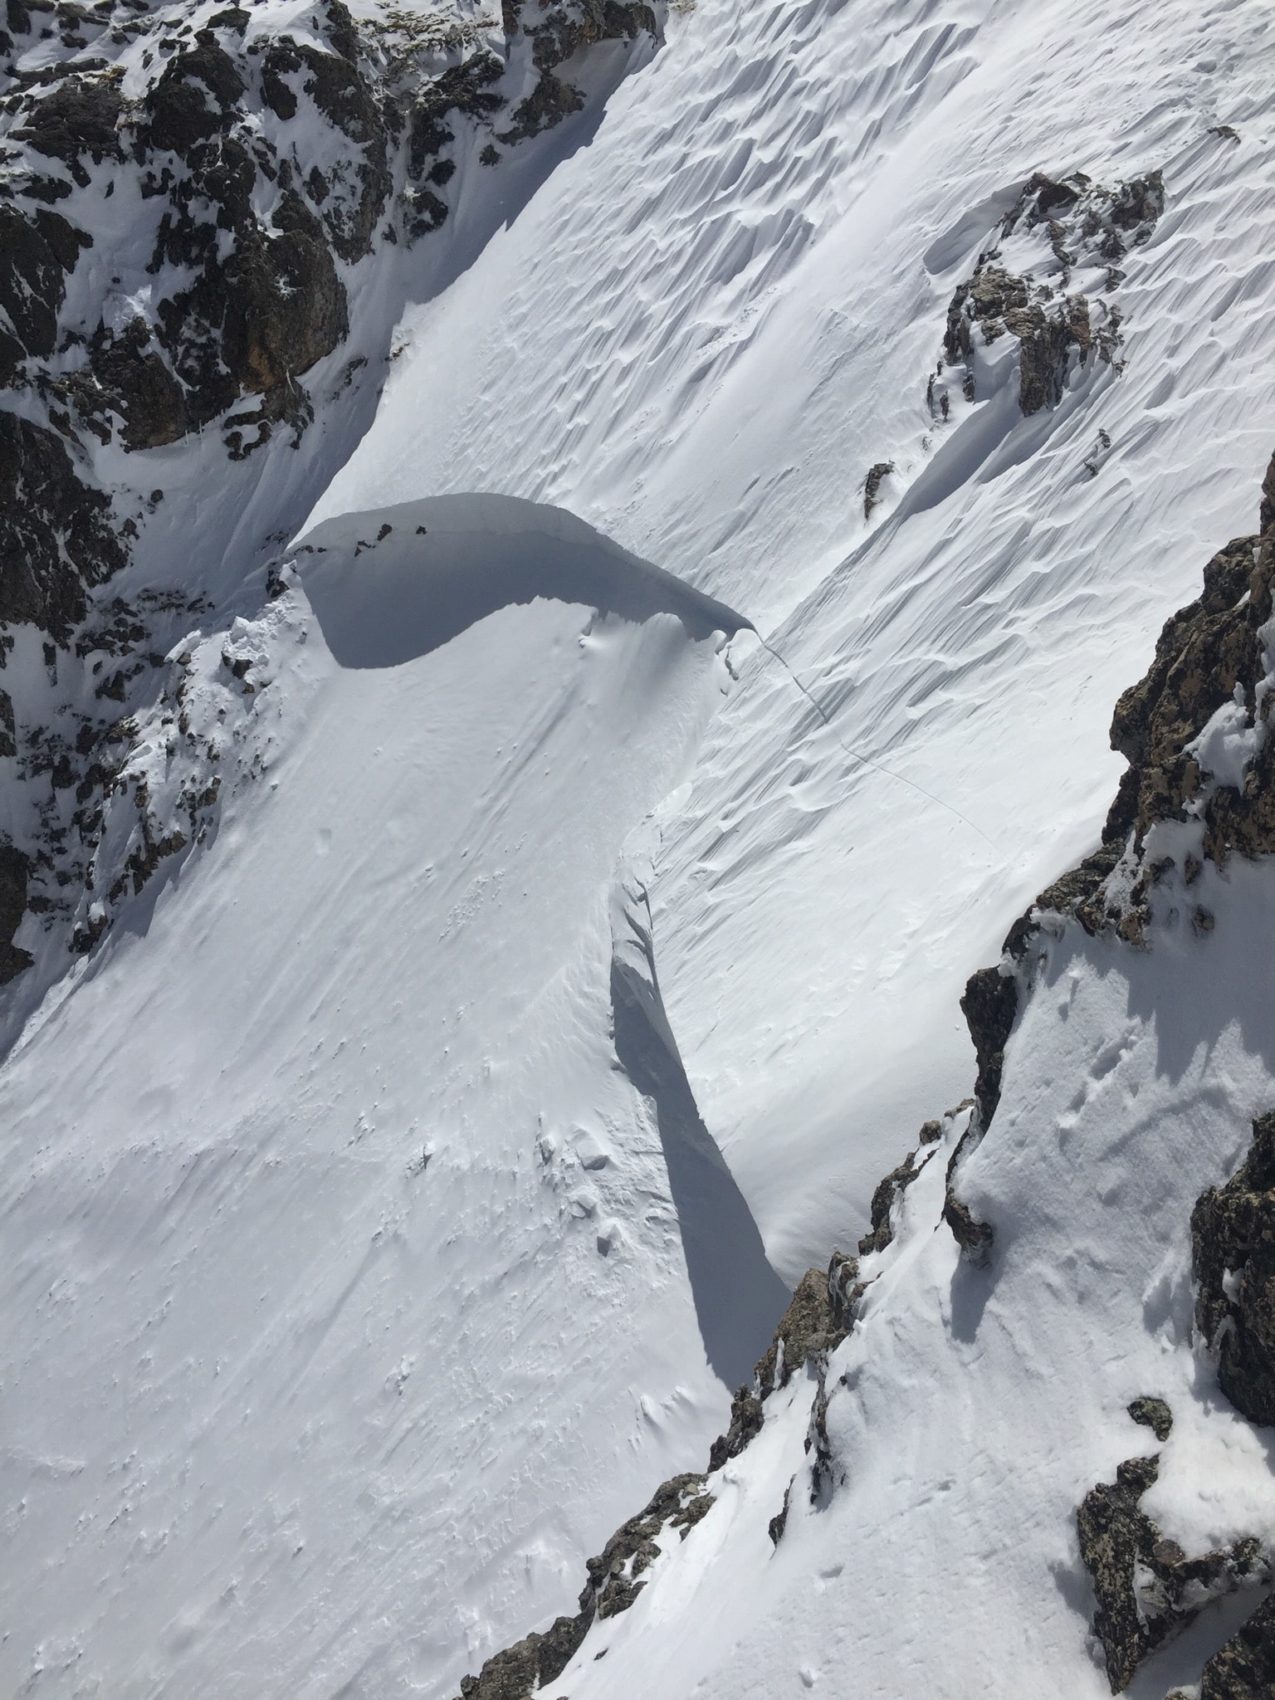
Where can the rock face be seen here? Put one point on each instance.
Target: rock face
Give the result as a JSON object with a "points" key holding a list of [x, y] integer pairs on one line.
{"points": [[1146, 1587], [989, 1004], [13, 903], [877, 476], [1206, 653], [1209, 670], [1233, 1250], [1244, 1669], [813, 1324], [182, 263], [1083, 231]]}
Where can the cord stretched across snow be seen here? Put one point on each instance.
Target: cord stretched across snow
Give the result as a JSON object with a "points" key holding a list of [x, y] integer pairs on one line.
{"points": [[858, 755]]}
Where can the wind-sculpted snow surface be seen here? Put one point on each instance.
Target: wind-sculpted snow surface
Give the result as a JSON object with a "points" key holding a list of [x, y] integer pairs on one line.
{"points": [[346, 1303], [704, 333], [458, 974], [965, 1494]]}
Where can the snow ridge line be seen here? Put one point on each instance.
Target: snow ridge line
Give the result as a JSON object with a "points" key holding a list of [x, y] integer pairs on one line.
{"points": [[858, 755]]}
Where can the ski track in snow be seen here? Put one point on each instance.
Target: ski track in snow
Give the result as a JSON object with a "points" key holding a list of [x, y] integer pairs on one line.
{"points": [[347, 1306]]}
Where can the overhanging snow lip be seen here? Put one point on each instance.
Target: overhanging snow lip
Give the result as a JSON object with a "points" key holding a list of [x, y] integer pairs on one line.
{"points": [[389, 585]]}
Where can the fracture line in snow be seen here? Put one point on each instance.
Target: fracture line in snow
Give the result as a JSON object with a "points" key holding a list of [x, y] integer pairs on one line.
{"points": [[858, 755]]}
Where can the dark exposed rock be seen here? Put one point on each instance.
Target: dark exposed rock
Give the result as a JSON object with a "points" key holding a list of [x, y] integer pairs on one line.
{"points": [[1209, 654], [809, 1326], [819, 1447], [1082, 223], [746, 1417], [191, 101], [1070, 895], [509, 1675], [883, 1201], [872, 485], [1244, 1669], [137, 382], [285, 306], [1233, 1250], [615, 1580], [14, 869], [613, 1575], [79, 119], [989, 1004], [559, 33], [818, 1317], [1154, 1414], [341, 93], [466, 90], [779, 1522], [1046, 340], [982, 301], [970, 1234], [56, 533], [844, 1292], [36, 252], [1145, 1586]]}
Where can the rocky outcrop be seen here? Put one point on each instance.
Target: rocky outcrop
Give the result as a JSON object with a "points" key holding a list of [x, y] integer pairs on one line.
{"points": [[1154, 1414], [1209, 671], [1233, 1252], [990, 1007], [615, 1579], [815, 1321], [38, 249], [1244, 1668], [558, 35], [13, 904], [877, 476], [819, 1316], [58, 535], [1146, 1587], [1082, 232]]}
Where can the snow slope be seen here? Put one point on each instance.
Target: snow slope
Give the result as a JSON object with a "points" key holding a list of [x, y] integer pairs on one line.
{"points": [[973, 1408], [718, 317], [345, 1294], [370, 1250]]}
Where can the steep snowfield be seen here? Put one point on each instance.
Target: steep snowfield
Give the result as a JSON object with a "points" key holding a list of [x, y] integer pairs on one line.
{"points": [[972, 1409], [701, 334], [345, 1298], [369, 1256]]}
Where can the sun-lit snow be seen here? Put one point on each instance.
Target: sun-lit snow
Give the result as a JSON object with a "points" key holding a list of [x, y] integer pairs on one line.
{"points": [[346, 1294], [353, 1292], [701, 334]]}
